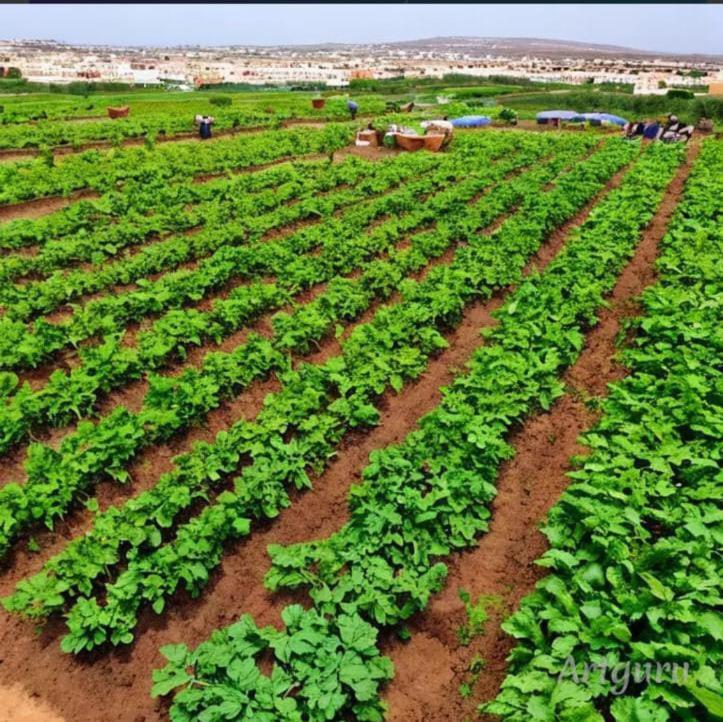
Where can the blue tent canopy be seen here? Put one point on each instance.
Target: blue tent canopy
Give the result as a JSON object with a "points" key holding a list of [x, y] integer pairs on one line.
{"points": [[606, 118], [557, 114], [471, 121]]}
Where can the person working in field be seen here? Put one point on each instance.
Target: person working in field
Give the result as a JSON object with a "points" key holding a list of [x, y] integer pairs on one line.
{"points": [[651, 131], [353, 108], [634, 129], [674, 130], [204, 123]]}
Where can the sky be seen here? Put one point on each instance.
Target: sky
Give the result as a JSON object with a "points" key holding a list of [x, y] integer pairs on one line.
{"points": [[681, 28]]}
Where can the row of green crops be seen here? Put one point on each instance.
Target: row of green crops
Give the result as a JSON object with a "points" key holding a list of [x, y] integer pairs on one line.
{"points": [[102, 171], [236, 221], [635, 541], [172, 403], [120, 212], [172, 118], [111, 364], [64, 576], [420, 500], [27, 345], [194, 205], [305, 423]]}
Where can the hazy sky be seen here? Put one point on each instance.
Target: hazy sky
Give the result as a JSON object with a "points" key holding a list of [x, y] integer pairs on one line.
{"points": [[681, 28]]}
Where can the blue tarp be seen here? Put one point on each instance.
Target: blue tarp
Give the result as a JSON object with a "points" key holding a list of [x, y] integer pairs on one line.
{"points": [[555, 114], [471, 121], [605, 118], [575, 117]]}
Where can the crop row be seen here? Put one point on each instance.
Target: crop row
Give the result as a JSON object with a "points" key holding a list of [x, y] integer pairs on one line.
{"points": [[194, 205], [634, 587], [419, 500], [115, 215], [24, 347], [138, 198], [343, 300], [393, 347], [21, 109], [104, 171], [172, 403], [111, 364], [27, 345], [171, 120], [110, 314], [239, 220]]}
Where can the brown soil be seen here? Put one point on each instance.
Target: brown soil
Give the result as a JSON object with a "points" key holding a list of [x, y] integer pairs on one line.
{"points": [[502, 565], [42, 206], [13, 156], [16, 705], [367, 152]]}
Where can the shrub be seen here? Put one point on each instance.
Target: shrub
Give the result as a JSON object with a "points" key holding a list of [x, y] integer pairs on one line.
{"points": [[680, 93], [221, 101]]}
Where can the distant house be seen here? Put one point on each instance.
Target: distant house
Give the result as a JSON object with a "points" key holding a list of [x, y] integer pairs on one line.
{"points": [[715, 86]]}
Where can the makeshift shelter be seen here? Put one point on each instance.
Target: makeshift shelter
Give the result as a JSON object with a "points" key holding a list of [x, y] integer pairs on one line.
{"points": [[471, 121]]}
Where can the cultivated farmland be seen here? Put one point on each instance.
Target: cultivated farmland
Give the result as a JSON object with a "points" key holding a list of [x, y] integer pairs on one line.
{"points": [[281, 419]]}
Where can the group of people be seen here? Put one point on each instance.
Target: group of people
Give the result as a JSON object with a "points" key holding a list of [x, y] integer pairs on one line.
{"points": [[673, 130]]}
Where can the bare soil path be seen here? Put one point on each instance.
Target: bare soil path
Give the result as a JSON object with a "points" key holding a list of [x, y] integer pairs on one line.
{"points": [[42, 206]]}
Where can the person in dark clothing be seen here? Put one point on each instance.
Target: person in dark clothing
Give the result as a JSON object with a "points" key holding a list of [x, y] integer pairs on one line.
{"points": [[673, 125], [651, 130], [204, 127], [635, 129], [353, 108], [674, 131]]}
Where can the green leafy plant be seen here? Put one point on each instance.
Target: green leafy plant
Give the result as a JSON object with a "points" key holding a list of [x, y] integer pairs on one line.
{"points": [[428, 496], [477, 616], [474, 670], [634, 578]]}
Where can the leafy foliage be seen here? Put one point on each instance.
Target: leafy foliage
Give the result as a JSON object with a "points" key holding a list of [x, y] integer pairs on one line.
{"points": [[337, 659], [428, 496], [634, 575]]}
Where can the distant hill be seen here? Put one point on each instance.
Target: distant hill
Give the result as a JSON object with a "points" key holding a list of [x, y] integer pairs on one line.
{"points": [[472, 46], [513, 47]]}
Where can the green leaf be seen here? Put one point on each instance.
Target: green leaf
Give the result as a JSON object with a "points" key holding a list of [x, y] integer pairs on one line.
{"points": [[658, 589], [712, 701], [167, 679]]}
